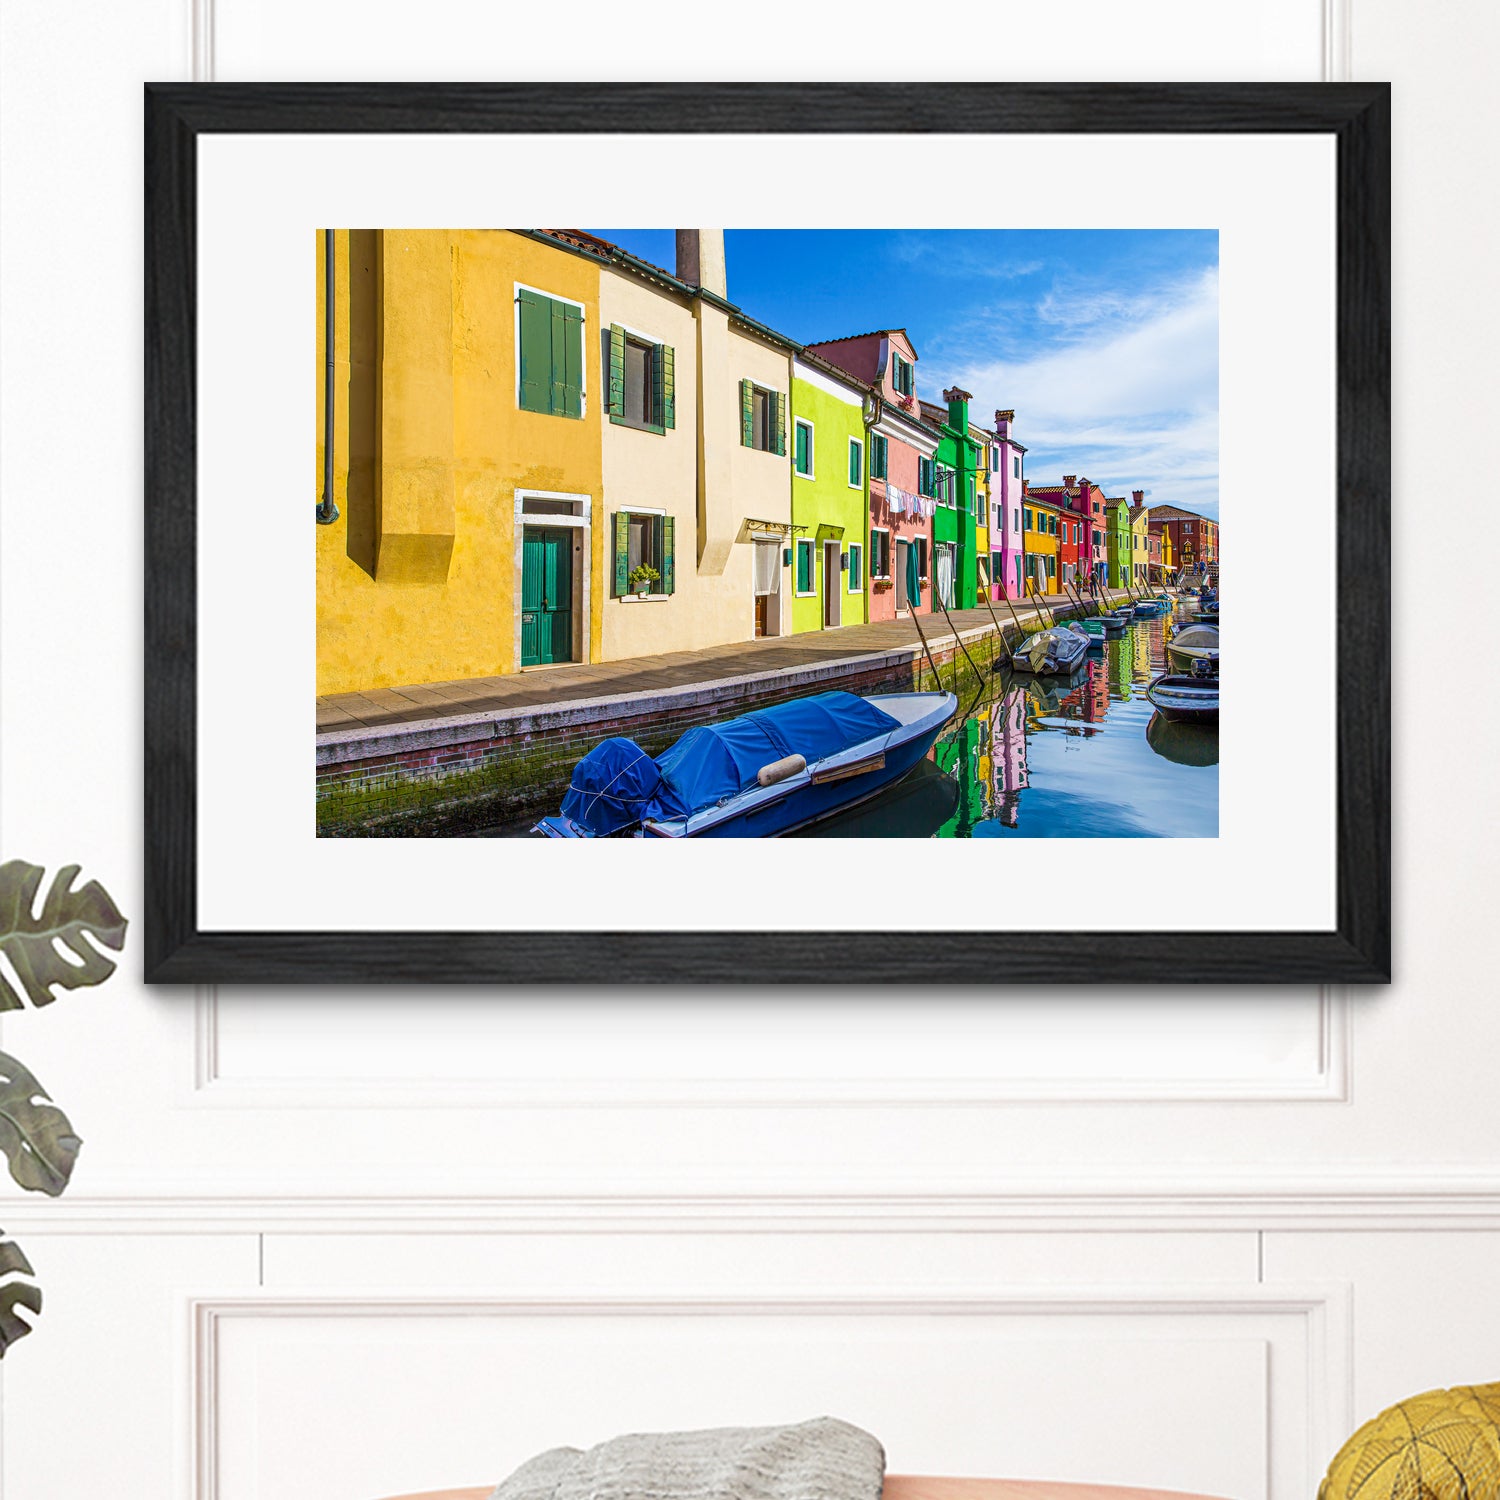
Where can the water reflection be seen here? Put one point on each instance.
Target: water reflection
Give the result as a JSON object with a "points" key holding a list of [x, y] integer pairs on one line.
{"points": [[1084, 756]]}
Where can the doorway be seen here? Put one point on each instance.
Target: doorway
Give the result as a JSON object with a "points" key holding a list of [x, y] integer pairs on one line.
{"points": [[945, 572], [546, 595], [767, 586], [832, 575], [903, 561]]}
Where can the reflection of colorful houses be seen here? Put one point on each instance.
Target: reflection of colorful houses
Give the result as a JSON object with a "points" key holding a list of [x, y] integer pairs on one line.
{"points": [[965, 756], [955, 572], [1009, 773], [1040, 531], [829, 504], [899, 449]]}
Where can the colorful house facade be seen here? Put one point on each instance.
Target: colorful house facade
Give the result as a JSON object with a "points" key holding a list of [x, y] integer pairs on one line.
{"points": [[466, 412], [1194, 538], [1076, 527], [1117, 539], [1007, 541], [830, 497], [1040, 530], [954, 550], [900, 449], [984, 450], [1140, 536]]}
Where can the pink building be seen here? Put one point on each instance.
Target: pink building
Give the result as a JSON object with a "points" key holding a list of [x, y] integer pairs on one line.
{"points": [[897, 441], [1008, 465]]}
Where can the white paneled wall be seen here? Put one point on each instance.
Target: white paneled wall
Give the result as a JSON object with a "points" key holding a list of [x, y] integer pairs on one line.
{"points": [[329, 1245]]}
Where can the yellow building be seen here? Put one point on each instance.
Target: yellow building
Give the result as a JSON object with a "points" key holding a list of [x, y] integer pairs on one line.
{"points": [[1040, 528], [467, 465], [981, 507], [545, 450], [1140, 541]]}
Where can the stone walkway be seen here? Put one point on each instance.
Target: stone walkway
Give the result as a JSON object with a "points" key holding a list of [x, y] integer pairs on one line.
{"points": [[382, 708]]}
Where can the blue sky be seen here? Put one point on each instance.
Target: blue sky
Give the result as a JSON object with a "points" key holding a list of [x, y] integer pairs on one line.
{"points": [[1106, 342]]}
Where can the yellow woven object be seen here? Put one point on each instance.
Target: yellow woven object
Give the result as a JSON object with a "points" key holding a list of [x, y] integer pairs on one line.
{"points": [[1442, 1445]]}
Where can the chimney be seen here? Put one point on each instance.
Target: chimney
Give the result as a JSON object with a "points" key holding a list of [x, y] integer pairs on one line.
{"points": [[1139, 496], [1069, 480], [700, 259], [958, 407], [1003, 419]]}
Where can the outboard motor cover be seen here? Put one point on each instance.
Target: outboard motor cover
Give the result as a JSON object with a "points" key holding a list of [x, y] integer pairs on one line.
{"points": [[612, 787]]}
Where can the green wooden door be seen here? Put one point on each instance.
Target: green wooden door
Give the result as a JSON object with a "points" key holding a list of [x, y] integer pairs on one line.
{"points": [[546, 596]]}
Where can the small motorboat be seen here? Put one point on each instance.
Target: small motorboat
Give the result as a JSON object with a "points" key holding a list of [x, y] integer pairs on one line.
{"points": [[1195, 650], [1208, 614], [1057, 651], [758, 776], [1186, 700]]}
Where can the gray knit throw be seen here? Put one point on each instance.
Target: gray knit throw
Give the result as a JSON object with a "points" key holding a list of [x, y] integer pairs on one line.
{"points": [[824, 1459]]}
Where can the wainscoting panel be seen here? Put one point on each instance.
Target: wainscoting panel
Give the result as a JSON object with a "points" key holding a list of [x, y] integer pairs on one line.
{"points": [[308, 1397]]}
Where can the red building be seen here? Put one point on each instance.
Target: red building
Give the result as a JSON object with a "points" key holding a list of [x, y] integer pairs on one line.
{"points": [[1195, 538], [1077, 534]]}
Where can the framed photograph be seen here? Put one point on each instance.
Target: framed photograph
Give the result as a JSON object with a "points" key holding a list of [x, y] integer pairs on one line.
{"points": [[872, 546]]}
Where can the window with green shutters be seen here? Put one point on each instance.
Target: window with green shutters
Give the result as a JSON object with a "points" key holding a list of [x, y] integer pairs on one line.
{"points": [[880, 553], [802, 447], [901, 375], [550, 357], [649, 541], [856, 568], [1026, 512], [856, 464], [804, 567], [878, 455], [762, 418], [640, 382]]}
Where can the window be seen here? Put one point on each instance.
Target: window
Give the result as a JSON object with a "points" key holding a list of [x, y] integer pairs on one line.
{"points": [[1016, 523], [880, 553], [1016, 461], [970, 510], [1026, 511], [762, 418], [639, 379], [856, 463], [901, 375], [922, 556], [856, 567], [806, 577], [550, 362], [644, 541], [1051, 567], [995, 457], [803, 447], [878, 456], [997, 567]]}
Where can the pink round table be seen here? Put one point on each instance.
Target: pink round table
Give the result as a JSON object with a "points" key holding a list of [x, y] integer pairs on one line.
{"points": [[931, 1487]]}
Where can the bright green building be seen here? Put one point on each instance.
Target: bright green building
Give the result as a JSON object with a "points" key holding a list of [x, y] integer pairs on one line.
{"points": [[1119, 544], [954, 470], [830, 497]]}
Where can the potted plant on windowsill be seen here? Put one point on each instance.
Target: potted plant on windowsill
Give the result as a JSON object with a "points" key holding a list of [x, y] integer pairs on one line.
{"points": [[641, 579]]}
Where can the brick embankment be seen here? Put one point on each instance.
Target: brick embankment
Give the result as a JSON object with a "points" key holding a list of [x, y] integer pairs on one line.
{"points": [[421, 773]]}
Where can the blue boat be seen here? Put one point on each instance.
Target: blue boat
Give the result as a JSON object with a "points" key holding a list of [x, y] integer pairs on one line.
{"points": [[758, 776]]}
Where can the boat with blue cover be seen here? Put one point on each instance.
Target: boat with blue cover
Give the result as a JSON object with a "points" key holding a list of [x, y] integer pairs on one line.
{"points": [[761, 775]]}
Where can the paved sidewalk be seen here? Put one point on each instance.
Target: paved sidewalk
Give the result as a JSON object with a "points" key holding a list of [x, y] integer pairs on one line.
{"points": [[382, 708]]}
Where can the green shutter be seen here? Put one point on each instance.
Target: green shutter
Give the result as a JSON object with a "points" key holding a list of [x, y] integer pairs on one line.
{"points": [[622, 553], [567, 355], [781, 423], [536, 352], [804, 568], [666, 363], [669, 555], [615, 385], [747, 414]]}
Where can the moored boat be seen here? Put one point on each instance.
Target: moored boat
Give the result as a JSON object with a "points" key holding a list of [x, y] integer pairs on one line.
{"points": [[1195, 650], [761, 775], [1056, 651], [1186, 699]]}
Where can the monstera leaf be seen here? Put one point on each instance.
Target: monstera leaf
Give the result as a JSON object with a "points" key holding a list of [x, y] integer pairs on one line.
{"points": [[31, 943], [35, 1134], [14, 1294]]}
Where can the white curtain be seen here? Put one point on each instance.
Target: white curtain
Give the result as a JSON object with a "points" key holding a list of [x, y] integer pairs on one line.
{"points": [[945, 575], [767, 567]]}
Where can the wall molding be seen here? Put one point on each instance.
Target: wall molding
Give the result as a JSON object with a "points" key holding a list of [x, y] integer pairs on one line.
{"points": [[1454, 1197], [1324, 1310], [1330, 1084]]}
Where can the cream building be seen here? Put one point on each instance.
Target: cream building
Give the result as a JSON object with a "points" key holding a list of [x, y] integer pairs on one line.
{"points": [[697, 478]]}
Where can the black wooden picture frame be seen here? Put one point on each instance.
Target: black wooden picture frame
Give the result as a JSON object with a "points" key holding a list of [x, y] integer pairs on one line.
{"points": [[1358, 950]]}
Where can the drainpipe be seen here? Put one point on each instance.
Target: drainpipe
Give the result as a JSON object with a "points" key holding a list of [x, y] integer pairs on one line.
{"points": [[327, 511]]}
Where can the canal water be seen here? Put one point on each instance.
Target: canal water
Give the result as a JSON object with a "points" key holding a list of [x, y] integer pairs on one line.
{"points": [[1045, 757], [1051, 757]]}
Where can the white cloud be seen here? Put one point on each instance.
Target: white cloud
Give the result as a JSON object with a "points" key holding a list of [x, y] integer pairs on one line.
{"points": [[1127, 391]]}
